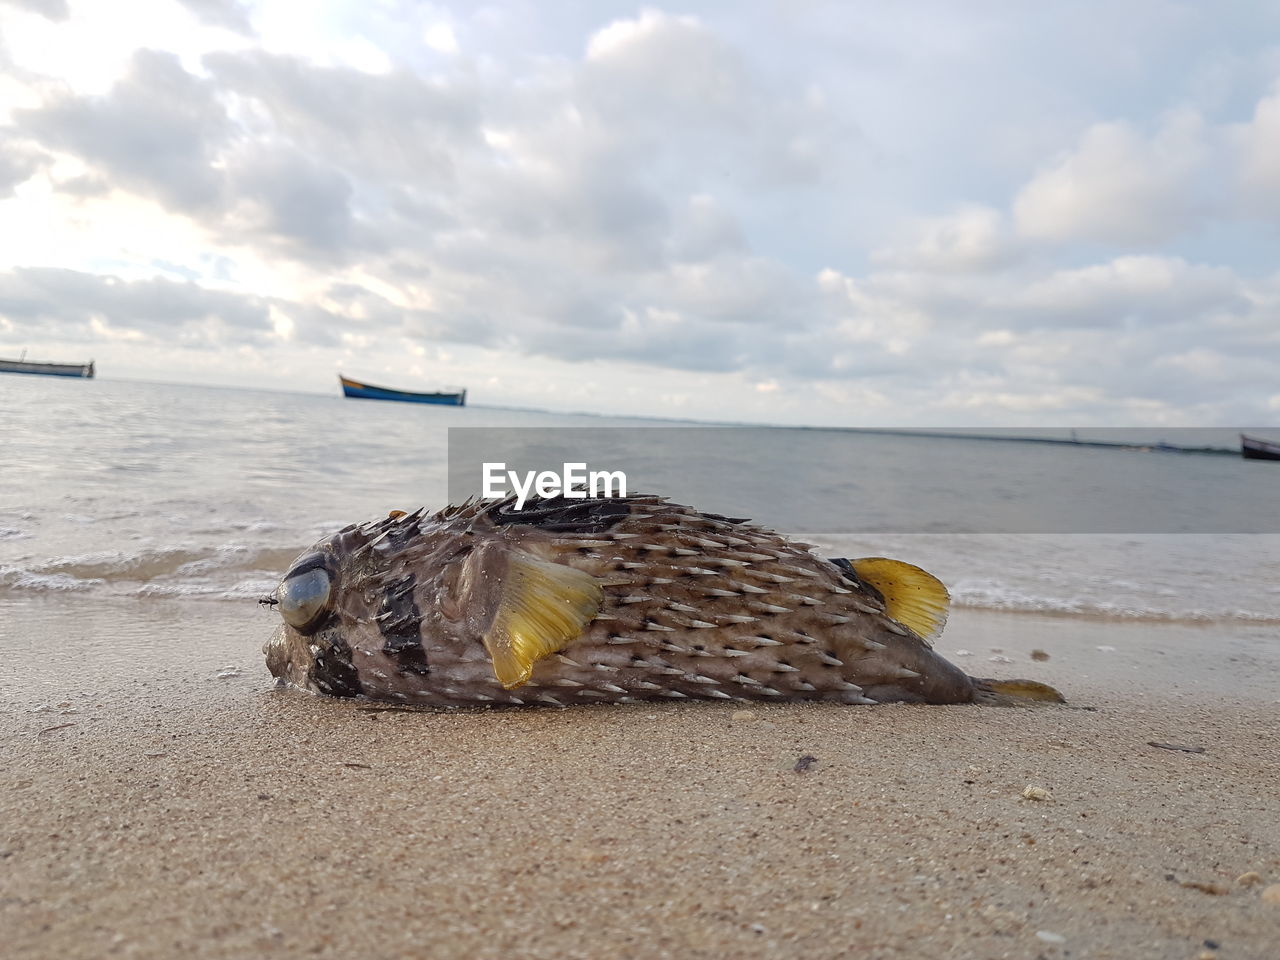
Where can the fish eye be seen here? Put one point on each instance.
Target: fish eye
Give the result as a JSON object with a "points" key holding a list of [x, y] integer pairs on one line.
{"points": [[304, 597]]}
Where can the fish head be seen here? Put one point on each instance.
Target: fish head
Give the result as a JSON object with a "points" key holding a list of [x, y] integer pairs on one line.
{"points": [[358, 606], [309, 649]]}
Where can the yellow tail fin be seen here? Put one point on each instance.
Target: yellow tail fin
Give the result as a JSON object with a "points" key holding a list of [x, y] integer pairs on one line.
{"points": [[1015, 693]]}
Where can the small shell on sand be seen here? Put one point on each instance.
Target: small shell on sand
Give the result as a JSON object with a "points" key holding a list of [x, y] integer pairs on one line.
{"points": [[1250, 879], [1035, 793], [1272, 894]]}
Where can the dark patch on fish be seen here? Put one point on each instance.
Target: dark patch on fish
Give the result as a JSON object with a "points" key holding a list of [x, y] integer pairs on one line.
{"points": [[723, 519], [334, 672], [315, 560], [396, 532], [400, 621], [563, 515], [846, 568]]}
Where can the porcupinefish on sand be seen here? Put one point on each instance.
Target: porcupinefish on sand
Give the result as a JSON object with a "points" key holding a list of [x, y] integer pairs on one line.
{"points": [[596, 600]]}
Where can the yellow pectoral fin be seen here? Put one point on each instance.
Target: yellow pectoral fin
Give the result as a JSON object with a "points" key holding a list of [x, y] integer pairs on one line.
{"points": [[914, 598], [544, 607]]}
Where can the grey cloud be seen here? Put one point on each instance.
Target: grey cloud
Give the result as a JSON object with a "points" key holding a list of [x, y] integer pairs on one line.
{"points": [[740, 289], [1132, 335], [157, 132], [44, 296], [18, 162], [396, 126], [88, 185], [1127, 291], [434, 326], [658, 68], [53, 9], [294, 198], [974, 239], [330, 162], [586, 205], [704, 230], [679, 343], [165, 134], [347, 308], [230, 14], [55, 302], [648, 77]]}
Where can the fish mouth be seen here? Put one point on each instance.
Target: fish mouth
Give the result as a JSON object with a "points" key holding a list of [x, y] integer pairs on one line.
{"points": [[287, 659], [276, 650]]}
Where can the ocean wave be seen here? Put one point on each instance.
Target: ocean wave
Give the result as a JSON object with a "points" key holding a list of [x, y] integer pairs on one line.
{"points": [[249, 589], [16, 578], [232, 571], [1010, 600]]}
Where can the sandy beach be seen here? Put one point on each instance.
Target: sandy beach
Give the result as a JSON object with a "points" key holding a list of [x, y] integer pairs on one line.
{"points": [[158, 803]]}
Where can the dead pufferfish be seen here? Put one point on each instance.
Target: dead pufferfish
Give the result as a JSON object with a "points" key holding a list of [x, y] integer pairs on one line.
{"points": [[615, 600]]}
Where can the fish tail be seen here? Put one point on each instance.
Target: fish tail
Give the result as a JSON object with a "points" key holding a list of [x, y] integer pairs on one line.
{"points": [[1014, 693]]}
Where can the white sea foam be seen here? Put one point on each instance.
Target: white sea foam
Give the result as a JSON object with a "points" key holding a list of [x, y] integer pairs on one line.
{"points": [[229, 571], [1010, 599], [18, 579]]}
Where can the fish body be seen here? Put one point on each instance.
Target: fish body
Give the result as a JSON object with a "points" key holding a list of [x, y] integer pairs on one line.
{"points": [[594, 600]]}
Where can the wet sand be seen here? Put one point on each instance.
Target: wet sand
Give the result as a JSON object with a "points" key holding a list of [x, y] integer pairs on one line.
{"points": [[161, 800]]}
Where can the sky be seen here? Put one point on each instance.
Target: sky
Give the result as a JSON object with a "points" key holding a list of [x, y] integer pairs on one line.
{"points": [[855, 213]]}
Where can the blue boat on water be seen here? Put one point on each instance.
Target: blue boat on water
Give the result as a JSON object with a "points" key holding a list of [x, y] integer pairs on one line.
{"points": [[367, 391]]}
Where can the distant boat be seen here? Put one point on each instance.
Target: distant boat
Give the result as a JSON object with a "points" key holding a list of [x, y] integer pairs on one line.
{"points": [[23, 365], [367, 391], [1251, 448]]}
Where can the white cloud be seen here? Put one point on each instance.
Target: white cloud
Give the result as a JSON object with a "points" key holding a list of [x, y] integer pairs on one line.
{"points": [[364, 55], [1203, 363], [1259, 146], [1118, 186], [1037, 401], [974, 238], [88, 52], [1142, 289], [620, 37], [440, 37]]}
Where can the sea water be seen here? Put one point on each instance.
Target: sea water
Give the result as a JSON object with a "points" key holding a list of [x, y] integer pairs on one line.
{"points": [[116, 492]]}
